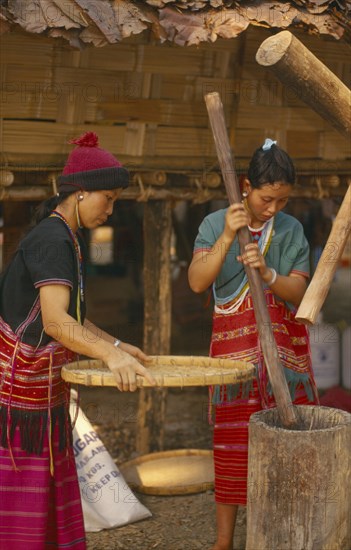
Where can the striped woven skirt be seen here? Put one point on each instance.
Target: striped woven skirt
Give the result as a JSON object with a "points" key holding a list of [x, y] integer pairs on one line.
{"points": [[230, 444], [40, 504], [235, 336], [38, 510]]}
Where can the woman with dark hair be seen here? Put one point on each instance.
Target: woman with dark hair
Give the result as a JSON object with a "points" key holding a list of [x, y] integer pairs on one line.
{"points": [[280, 252], [42, 327]]}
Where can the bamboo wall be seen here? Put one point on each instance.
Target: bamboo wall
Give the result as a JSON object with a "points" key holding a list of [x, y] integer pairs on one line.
{"points": [[145, 101]]}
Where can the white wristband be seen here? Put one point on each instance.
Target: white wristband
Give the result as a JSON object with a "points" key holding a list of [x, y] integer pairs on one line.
{"points": [[274, 277], [116, 343]]}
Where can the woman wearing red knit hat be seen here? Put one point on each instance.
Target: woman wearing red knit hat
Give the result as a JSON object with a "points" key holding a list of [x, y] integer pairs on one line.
{"points": [[42, 327]]}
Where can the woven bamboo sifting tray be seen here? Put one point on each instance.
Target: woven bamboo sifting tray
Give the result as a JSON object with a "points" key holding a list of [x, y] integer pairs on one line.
{"points": [[167, 370]]}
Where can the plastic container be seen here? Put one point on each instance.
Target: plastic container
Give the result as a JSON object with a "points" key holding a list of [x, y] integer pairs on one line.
{"points": [[346, 359], [325, 349]]}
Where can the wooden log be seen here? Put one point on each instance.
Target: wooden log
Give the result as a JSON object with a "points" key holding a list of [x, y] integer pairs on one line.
{"points": [[156, 177], [264, 326], [200, 180], [6, 178], [25, 193], [308, 77], [157, 319], [299, 482], [319, 286], [331, 181], [207, 179]]}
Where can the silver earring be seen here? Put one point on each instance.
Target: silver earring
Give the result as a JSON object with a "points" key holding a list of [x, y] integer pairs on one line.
{"points": [[245, 194], [80, 197]]}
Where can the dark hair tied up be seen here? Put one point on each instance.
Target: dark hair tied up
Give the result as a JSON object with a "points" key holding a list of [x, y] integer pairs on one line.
{"points": [[269, 166]]}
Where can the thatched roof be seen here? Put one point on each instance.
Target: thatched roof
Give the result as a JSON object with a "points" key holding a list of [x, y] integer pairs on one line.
{"points": [[185, 23]]}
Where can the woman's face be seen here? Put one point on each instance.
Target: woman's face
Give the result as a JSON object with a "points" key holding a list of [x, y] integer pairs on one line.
{"points": [[97, 206], [267, 201]]}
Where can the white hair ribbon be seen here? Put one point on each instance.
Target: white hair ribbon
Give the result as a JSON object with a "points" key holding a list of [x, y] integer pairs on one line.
{"points": [[268, 144]]}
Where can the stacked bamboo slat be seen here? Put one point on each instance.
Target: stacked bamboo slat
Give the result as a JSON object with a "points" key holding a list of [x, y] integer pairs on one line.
{"points": [[183, 142], [304, 143], [38, 49], [260, 116], [51, 138], [145, 101], [165, 112], [334, 146]]}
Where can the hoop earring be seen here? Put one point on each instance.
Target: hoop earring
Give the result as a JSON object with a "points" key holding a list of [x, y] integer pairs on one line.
{"points": [[245, 194], [77, 215]]}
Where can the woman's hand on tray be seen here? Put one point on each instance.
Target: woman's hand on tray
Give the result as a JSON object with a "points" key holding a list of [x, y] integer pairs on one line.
{"points": [[125, 366]]}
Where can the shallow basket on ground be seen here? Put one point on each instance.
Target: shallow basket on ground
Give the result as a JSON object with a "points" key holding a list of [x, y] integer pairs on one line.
{"points": [[173, 472]]}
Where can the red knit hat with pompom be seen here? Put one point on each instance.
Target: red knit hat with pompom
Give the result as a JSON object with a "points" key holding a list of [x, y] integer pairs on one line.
{"points": [[91, 168]]}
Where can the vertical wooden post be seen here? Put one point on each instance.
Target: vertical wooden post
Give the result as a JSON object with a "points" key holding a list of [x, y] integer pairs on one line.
{"points": [[157, 319]]}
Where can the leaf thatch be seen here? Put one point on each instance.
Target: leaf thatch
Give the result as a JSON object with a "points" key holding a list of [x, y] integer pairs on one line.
{"points": [[183, 22]]}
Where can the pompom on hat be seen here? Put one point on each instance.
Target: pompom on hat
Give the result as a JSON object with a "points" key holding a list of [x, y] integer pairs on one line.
{"points": [[91, 168]]}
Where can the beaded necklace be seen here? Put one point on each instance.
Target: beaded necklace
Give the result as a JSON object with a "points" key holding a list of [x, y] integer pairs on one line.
{"points": [[80, 292], [256, 232]]}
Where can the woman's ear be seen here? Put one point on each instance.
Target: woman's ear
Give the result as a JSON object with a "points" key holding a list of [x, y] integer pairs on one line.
{"points": [[247, 186]]}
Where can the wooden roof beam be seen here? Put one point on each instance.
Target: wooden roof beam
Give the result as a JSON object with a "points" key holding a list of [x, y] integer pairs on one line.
{"points": [[193, 194]]}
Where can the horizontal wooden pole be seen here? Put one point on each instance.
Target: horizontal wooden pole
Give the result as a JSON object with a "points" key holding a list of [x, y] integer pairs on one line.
{"points": [[173, 164], [193, 164], [25, 193], [42, 192]]}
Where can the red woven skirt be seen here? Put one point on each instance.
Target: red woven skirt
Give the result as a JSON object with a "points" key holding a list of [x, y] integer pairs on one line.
{"points": [[235, 336], [230, 444]]}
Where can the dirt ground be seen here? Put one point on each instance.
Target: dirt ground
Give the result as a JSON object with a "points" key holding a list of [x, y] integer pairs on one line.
{"points": [[178, 522]]}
